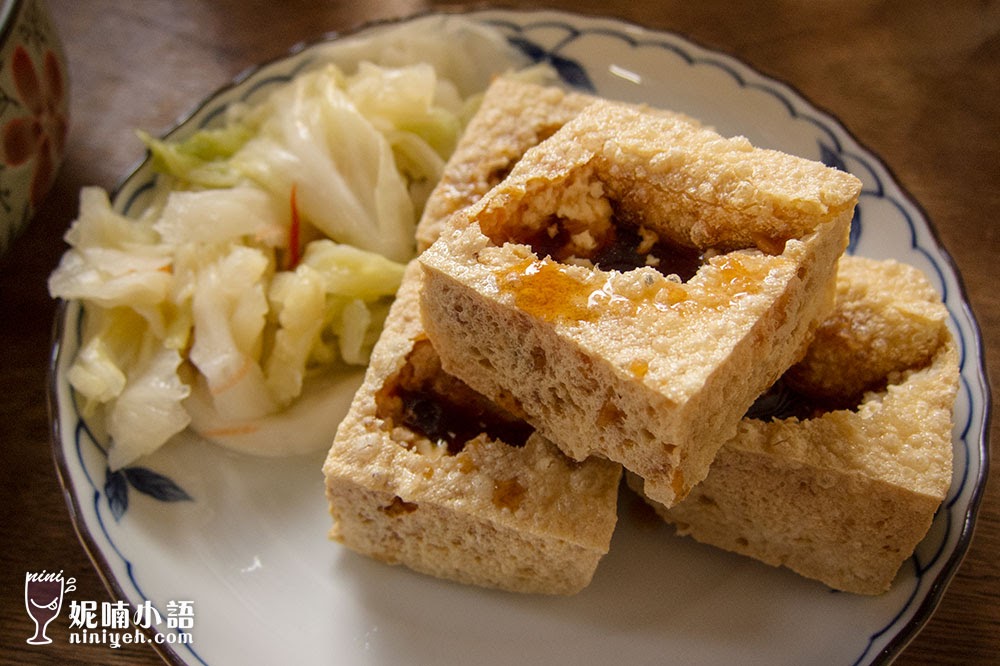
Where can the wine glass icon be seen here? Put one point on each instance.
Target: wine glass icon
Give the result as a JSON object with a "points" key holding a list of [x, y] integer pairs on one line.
{"points": [[43, 600]]}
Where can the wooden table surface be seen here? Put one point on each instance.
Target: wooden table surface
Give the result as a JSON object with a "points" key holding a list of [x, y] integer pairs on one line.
{"points": [[918, 82]]}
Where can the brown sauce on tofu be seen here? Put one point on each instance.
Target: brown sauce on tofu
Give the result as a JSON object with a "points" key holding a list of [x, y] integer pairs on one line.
{"points": [[544, 291], [615, 247], [442, 408], [508, 494], [592, 232], [633, 247]]}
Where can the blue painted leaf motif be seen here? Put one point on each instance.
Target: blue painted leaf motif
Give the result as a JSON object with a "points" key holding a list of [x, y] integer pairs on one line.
{"points": [[528, 48], [155, 485], [855, 234], [572, 73], [569, 71], [831, 157], [116, 490]]}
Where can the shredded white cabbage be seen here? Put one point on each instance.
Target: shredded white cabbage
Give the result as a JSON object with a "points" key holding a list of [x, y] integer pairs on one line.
{"points": [[347, 182], [259, 283], [148, 411]]}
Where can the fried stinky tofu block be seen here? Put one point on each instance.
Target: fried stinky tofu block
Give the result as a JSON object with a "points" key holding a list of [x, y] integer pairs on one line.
{"points": [[514, 115], [427, 473], [842, 495], [887, 319], [635, 283]]}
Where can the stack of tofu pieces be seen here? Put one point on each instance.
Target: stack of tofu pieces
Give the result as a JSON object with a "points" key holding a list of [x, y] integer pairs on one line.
{"points": [[608, 290]]}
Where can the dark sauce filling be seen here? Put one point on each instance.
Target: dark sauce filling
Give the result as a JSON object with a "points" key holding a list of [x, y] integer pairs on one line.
{"points": [[444, 409], [623, 253], [622, 248], [783, 401], [441, 420]]}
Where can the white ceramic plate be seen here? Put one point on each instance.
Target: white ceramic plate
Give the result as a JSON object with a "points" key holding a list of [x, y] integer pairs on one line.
{"points": [[245, 539]]}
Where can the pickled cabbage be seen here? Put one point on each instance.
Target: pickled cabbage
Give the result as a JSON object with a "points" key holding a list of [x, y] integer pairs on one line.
{"points": [[245, 300]]}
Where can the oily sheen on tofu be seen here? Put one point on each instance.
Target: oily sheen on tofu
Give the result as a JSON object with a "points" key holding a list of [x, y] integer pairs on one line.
{"points": [[641, 366]]}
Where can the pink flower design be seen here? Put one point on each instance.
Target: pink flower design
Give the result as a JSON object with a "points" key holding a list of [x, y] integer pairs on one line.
{"points": [[41, 132]]}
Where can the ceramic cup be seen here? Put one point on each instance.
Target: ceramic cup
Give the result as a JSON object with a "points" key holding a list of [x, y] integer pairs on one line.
{"points": [[34, 112]]}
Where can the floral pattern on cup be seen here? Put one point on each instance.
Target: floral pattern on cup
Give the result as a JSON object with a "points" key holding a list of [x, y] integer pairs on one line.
{"points": [[34, 115], [40, 134]]}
